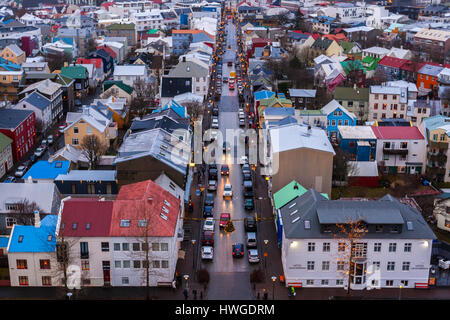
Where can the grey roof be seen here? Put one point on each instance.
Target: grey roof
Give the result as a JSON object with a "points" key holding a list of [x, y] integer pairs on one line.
{"points": [[188, 69], [11, 118], [88, 175], [303, 93], [38, 100], [159, 121], [313, 207]]}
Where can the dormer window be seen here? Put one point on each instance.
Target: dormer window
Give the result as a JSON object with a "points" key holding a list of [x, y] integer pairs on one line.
{"points": [[74, 226], [378, 228], [124, 223], [394, 229]]}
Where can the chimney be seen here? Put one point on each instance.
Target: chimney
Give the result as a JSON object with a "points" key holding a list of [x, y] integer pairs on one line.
{"points": [[295, 186], [184, 59], [37, 219]]}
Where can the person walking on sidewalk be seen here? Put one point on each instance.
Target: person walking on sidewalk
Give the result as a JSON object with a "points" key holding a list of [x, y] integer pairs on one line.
{"points": [[186, 294]]}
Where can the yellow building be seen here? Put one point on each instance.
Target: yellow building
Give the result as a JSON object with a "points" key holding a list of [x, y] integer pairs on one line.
{"points": [[9, 85], [324, 46], [13, 54]]}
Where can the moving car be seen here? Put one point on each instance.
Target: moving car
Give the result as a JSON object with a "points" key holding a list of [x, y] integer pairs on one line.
{"points": [[20, 171], [241, 122], [248, 204], [251, 240], [224, 218], [226, 146], [238, 250], [225, 170], [208, 238], [212, 185], [208, 212], [250, 224], [253, 256], [209, 199], [209, 224], [227, 191], [207, 252]]}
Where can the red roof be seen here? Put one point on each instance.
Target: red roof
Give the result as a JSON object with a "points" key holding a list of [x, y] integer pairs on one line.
{"points": [[314, 35], [393, 62], [145, 201], [398, 133], [336, 37], [109, 50], [97, 62], [84, 211]]}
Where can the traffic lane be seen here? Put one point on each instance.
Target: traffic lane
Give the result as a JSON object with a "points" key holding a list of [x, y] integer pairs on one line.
{"points": [[230, 286]]}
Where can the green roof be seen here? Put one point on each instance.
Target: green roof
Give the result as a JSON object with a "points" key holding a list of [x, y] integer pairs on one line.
{"points": [[118, 26], [120, 84], [351, 65], [74, 72], [288, 193], [310, 112], [346, 45], [152, 31], [344, 93], [370, 63], [4, 141], [273, 100]]}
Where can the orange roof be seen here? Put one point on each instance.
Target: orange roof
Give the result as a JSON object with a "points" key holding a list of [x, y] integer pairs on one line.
{"points": [[187, 31]]}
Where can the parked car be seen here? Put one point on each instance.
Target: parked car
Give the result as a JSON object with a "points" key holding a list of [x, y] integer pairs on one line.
{"points": [[33, 158], [215, 124], [207, 252], [224, 218], [246, 169], [225, 79], [253, 256], [208, 238], [209, 199], [39, 152], [243, 160], [227, 191], [44, 143], [208, 211], [20, 171], [248, 194], [248, 185], [250, 224], [62, 127], [209, 224], [215, 111], [248, 204], [10, 179], [238, 250], [50, 140], [230, 63], [225, 170]]}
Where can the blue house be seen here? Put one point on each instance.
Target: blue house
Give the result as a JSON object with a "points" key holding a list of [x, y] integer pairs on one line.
{"points": [[337, 115], [46, 171], [358, 141], [87, 182]]}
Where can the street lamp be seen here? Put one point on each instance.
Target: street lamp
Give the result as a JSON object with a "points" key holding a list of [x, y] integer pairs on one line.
{"points": [[273, 287], [186, 284], [265, 253], [193, 253], [400, 292]]}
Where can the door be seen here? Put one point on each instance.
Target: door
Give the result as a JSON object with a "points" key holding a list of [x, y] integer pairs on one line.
{"points": [[106, 274]]}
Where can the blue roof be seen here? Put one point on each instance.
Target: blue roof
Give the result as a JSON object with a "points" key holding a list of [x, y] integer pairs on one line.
{"points": [[176, 107], [65, 40], [265, 94], [38, 100], [9, 66], [324, 19], [47, 170], [34, 239], [281, 95], [4, 242]]}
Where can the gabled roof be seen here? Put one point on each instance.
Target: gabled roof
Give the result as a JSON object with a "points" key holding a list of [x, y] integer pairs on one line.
{"points": [[15, 49], [37, 100], [145, 201], [4, 141], [12, 118], [260, 95], [356, 132], [392, 62], [322, 44], [86, 217], [32, 239], [119, 84], [130, 70], [397, 133], [331, 106], [88, 175], [345, 93], [287, 193], [121, 26], [47, 87], [74, 72]]}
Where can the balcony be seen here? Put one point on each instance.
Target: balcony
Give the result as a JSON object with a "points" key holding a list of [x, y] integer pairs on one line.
{"points": [[395, 150]]}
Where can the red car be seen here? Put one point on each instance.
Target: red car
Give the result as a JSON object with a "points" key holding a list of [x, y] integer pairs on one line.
{"points": [[224, 218], [231, 87]]}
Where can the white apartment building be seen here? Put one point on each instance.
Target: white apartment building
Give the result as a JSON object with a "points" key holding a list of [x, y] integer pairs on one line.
{"points": [[400, 149], [395, 251], [129, 74], [146, 20], [386, 102]]}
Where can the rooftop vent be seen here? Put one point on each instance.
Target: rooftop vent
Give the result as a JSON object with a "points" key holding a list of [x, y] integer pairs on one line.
{"points": [[294, 212], [296, 219], [409, 225], [162, 215], [296, 185], [307, 224]]}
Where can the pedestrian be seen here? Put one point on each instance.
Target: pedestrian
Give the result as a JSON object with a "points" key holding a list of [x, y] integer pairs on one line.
{"points": [[195, 294], [266, 294], [186, 294], [174, 285]]}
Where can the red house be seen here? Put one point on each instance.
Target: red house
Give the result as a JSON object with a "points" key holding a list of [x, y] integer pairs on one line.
{"points": [[19, 125]]}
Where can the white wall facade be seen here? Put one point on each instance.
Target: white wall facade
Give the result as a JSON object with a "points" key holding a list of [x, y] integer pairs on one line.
{"points": [[417, 153]]}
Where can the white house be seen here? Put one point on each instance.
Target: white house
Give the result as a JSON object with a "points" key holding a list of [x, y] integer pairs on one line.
{"points": [[387, 102], [129, 74], [400, 149], [395, 249]]}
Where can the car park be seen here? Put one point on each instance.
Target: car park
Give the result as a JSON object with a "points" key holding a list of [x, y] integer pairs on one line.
{"points": [[20, 171], [208, 238], [225, 170], [238, 250], [207, 252], [209, 199], [253, 256], [250, 224], [248, 204], [208, 211], [209, 224], [227, 191], [224, 218]]}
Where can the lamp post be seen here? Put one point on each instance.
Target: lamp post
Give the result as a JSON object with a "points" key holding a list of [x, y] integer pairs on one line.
{"points": [[273, 287], [186, 284], [193, 252], [265, 254], [400, 292]]}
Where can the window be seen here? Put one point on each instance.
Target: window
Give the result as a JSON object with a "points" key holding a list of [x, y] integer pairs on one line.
{"points": [[378, 228], [309, 282], [46, 281], [340, 265], [392, 247], [339, 282], [325, 265], [156, 264], [165, 264], [408, 247], [142, 223], [126, 263], [390, 266], [116, 246], [326, 247], [125, 223], [377, 247], [341, 246], [155, 246], [404, 283], [89, 130], [311, 246], [21, 264], [164, 247], [84, 264], [375, 115], [333, 122], [23, 280], [45, 264], [136, 264], [75, 129], [136, 246], [125, 280], [395, 229], [105, 246], [310, 265], [125, 246], [118, 264], [405, 266], [376, 265], [75, 141], [324, 282], [84, 250], [389, 283], [91, 188], [10, 222]]}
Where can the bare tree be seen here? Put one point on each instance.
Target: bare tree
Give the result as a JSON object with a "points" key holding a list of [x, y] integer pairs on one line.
{"points": [[92, 45], [92, 148], [341, 165], [348, 235], [194, 109], [23, 212], [144, 98], [56, 61]]}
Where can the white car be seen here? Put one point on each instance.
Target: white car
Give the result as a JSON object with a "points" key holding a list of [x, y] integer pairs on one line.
{"points": [[39, 152], [209, 224], [207, 252], [50, 139], [241, 115], [243, 160], [215, 124], [20, 171], [227, 191], [241, 122], [253, 256]]}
